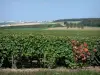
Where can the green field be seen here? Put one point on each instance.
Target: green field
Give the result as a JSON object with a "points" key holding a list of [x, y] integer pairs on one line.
{"points": [[79, 33], [50, 48], [32, 27], [26, 29]]}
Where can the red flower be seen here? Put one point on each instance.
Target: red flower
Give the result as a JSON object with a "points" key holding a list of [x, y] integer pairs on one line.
{"points": [[85, 44], [81, 46], [84, 59], [82, 55], [85, 50], [88, 53], [73, 41], [81, 50]]}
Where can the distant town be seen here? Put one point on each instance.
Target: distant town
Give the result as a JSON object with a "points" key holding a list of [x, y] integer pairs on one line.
{"points": [[15, 23]]}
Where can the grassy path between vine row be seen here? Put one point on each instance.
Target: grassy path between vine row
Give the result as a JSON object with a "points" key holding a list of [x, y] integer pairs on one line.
{"points": [[58, 71]]}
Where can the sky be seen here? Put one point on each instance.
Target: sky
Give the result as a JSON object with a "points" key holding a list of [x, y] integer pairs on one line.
{"points": [[40, 10]]}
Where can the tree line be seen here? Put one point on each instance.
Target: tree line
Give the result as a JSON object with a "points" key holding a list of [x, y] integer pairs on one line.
{"points": [[90, 22]]}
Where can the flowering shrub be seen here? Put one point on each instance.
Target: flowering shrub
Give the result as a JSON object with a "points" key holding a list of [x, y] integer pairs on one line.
{"points": [[80, 51]]}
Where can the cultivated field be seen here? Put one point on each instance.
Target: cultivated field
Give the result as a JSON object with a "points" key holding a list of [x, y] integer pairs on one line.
{"points": [[43, 49]]}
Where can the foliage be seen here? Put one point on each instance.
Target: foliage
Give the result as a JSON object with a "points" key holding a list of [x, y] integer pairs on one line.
{"points": [[95, 57], [92, 22], [42, 49]]}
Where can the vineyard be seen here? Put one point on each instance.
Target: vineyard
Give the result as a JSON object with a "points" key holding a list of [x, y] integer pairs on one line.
{"points": [[49, 49]]}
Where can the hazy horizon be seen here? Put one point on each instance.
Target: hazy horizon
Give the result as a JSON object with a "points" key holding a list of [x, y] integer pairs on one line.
{"points": [[36, 10]]}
